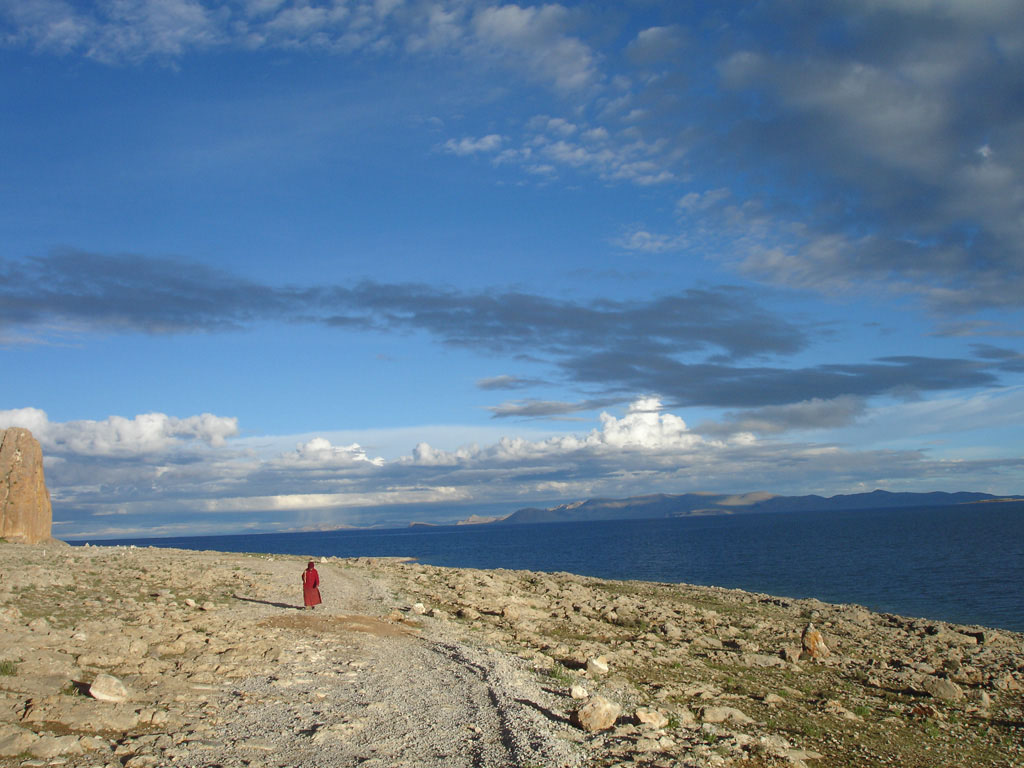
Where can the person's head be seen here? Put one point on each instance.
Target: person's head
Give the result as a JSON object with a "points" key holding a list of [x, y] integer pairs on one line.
{"points": [[310, 565]]}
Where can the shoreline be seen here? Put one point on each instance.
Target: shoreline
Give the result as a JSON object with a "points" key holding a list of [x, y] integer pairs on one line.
{"points": [[444, 666], [910, 565]]}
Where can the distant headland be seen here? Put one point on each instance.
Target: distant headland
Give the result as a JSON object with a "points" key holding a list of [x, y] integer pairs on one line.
{"points": [[663, 505]]}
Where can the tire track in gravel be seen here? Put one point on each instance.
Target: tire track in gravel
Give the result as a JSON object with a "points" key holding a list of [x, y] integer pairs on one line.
{"points": [[357, 691]]}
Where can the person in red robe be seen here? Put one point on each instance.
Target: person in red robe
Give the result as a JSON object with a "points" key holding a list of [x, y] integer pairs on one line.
{"points": [[310, 586]]}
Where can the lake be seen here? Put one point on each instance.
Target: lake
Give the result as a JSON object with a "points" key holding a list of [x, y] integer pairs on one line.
{"points": [[963, 564]]}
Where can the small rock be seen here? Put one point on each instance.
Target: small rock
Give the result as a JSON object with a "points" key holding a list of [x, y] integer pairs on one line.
{"points": [[52, 746], [1006, 683], [469, 614], [108, 688], [597, 665], [790, 654], [418, 608], [686, 718], [725, 715], [15, 741], [940, 688], [651, 717], [578, 692], [597, 714], [207, 606], [813, 644]]}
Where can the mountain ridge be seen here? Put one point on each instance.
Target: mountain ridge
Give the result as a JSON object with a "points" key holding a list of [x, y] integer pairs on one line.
{"points": [[660, 505]]}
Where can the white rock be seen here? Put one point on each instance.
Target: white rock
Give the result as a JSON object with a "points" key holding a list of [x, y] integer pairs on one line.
{"points": [[52, 746], [419, 609], [578, 692], [942, 689], [597, 665], [15, 741], [597, 714], [108, 688], [651, 717], [725, 715]]}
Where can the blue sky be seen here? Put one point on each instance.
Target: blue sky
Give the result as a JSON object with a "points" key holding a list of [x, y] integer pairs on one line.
{"points": [[279, 265]]}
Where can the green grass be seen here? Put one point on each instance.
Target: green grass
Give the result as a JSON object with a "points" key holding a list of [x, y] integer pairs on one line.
{"points": [[8, 668], [561, 674]]}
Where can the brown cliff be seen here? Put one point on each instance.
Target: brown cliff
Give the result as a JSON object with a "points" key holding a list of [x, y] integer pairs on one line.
{"points": [[25, 512]]}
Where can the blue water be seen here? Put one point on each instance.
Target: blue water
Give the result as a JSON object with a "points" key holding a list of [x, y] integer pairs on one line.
{"points": [[963, 564]]}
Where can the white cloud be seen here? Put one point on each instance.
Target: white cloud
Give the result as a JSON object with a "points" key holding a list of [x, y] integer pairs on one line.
{"points": [[655, 45], [693, 202], [650, 242], [117, 436], [644, 428], [303, 501], [471, 146], [532, 39], [153, 469], [320, 452]]}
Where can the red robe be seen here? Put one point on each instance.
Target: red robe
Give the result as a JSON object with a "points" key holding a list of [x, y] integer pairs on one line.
{"points": [[311, 586]]}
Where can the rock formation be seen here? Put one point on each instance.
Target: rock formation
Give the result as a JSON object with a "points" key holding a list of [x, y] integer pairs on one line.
{"points": [[25, 512]]}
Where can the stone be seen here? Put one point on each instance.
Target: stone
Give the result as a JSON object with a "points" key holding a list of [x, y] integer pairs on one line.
{"points": [[578, 692], [418, 608], [686, 718], [25, 512], [651, 717], [1006, 683], [597, 714], [14, 740], [725, 715], [52, 746], [597, 665], [108, 688], [940, 688], [813, 643]]}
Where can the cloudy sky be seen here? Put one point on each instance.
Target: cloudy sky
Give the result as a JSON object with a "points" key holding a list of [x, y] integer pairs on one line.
{"points": [[298, 264]]}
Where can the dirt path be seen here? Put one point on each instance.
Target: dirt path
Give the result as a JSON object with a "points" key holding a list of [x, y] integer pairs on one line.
{"points": [[359, 690]]}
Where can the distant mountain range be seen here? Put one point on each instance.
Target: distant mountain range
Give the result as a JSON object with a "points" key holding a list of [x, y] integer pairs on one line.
{"points": [[693, 504]]}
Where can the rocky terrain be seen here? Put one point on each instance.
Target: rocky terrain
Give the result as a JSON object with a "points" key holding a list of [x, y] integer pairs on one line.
{"points": [[151, 657]]}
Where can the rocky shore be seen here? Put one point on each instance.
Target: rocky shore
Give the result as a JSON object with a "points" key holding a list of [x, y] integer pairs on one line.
{"points": [[151, 657]]}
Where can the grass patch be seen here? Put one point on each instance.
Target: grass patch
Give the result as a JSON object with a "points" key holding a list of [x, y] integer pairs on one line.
{"points": [[561, 674], [74, 689], [8, 668]]}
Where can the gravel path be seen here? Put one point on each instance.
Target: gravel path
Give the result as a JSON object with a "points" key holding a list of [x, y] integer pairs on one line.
{"points": [[352, 690]]}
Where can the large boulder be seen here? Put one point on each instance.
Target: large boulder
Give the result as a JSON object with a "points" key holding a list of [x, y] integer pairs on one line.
{"points": [[25, 512]]}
